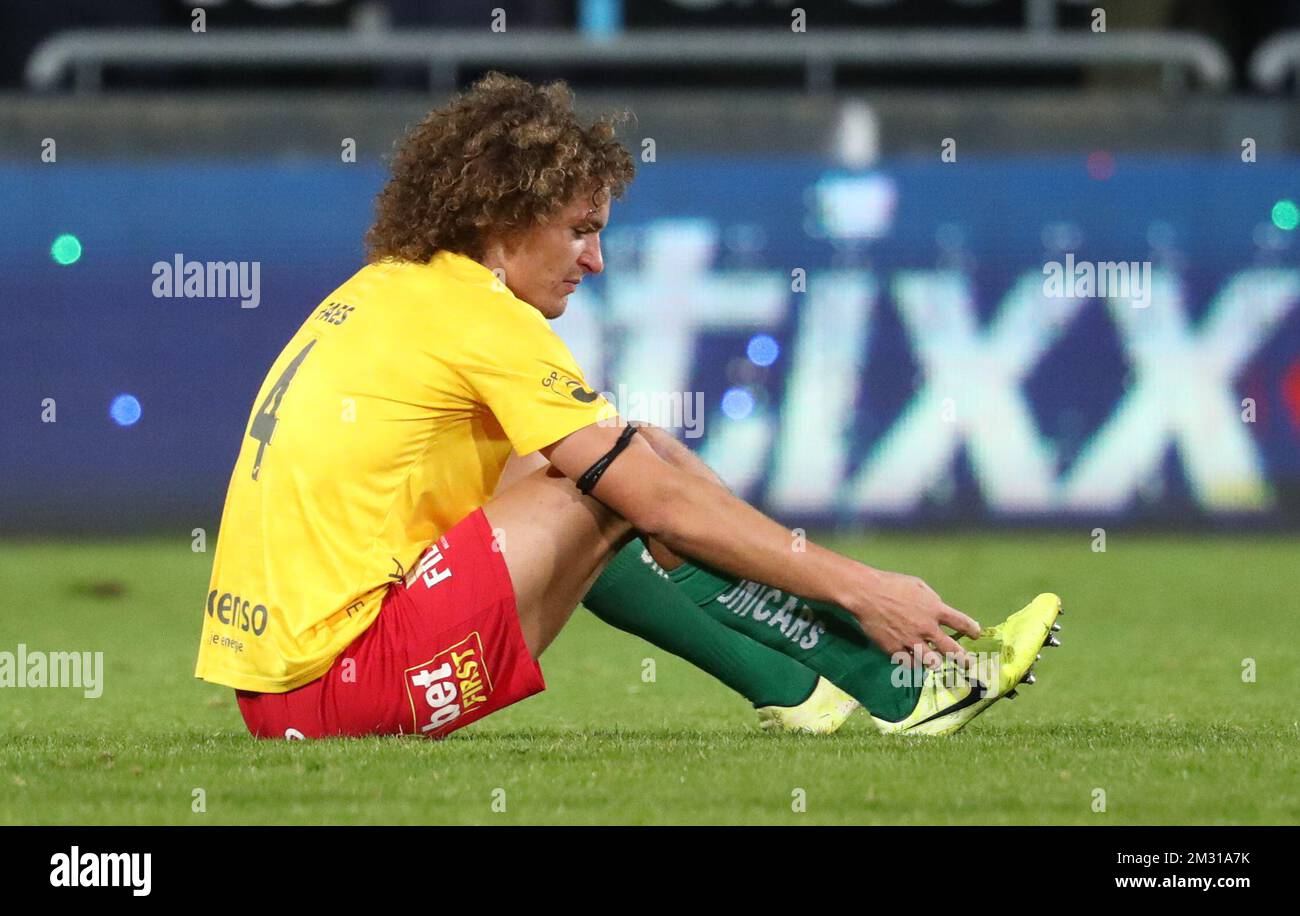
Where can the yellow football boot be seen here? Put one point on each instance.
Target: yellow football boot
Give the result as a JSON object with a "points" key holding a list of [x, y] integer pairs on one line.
{"points": [[825, 710], [1004, 659]]}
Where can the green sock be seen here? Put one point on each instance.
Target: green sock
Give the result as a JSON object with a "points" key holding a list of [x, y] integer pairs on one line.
{"points": [[636, 596], [822, 636]]}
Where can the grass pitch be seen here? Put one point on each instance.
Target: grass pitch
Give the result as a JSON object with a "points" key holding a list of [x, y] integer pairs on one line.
{"points": [[1145, 701]]}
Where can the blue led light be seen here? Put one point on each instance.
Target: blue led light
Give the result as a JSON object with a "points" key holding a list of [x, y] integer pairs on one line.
{"points": [[737, 403], [762, 350], [125, 410]]}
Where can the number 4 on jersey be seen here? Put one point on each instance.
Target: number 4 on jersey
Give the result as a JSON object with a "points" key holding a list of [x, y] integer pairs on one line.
{"points": [[263, 427]]}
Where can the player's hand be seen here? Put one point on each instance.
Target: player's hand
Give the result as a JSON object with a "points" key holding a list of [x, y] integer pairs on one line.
{"points": [[900, 613]]}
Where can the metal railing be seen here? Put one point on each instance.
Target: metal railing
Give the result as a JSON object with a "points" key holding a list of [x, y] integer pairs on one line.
{"points": [[85, 53]]}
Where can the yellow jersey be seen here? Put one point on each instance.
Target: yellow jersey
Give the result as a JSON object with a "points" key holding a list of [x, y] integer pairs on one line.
{"points": [[387, 419]]}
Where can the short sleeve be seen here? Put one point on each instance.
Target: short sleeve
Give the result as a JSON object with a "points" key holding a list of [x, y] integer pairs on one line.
{"points": [[523, 372]]}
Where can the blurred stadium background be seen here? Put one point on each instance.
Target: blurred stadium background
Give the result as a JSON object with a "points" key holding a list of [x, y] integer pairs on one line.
{"points": [[795, 247], [837, 237]]}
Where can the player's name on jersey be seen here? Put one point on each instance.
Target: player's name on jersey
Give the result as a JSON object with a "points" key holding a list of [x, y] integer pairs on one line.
{"points": [[182, 279]]}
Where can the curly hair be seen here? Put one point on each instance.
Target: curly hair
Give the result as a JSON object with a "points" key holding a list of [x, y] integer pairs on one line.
{"points": [[497, 160]]}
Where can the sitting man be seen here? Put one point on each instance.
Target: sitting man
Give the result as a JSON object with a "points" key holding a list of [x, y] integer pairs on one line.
{"points": [[374, 572]]}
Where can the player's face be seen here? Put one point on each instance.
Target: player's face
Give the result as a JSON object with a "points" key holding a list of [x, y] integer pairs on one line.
{"points": [[544, 265]]}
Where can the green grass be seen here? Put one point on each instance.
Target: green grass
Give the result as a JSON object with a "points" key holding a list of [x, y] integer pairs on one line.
{"points": [[1145, 700]]}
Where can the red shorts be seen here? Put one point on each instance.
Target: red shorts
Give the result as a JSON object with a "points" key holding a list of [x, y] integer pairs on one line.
{"points": [[445, 650]]}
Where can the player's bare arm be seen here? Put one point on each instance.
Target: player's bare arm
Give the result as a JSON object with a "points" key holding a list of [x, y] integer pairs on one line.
{"points": [[699, 518]]}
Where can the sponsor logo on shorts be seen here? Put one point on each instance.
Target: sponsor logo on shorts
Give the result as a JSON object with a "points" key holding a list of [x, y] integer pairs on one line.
{"points": [[452, 684], [427, 570]]}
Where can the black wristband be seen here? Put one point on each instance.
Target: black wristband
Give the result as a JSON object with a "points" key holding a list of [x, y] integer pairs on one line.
{"points": [[589, 477]]}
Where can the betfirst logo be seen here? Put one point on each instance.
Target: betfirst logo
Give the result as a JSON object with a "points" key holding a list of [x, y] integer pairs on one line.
{"points": [[453, 683], [426, 570]]}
